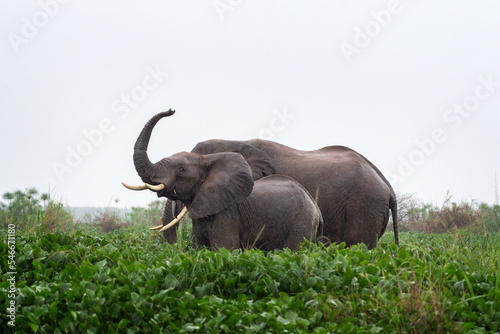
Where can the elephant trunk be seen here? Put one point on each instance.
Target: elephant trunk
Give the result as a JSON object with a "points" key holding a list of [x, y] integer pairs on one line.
{"points": [[143, 166]]}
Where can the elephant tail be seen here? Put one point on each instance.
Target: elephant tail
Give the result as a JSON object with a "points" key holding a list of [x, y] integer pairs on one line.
{"points": [[393, 204]]}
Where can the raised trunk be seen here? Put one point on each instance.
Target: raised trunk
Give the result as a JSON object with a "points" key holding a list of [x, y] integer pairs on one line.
{"points": [[143, 166]]}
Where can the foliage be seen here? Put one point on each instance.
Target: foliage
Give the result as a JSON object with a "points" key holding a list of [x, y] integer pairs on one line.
{"points": [[129, 280], [491, 217], [22, 207], [108, 220], [131, 283], [419, 217], [149, 216], [24, 210], [55, 217]]}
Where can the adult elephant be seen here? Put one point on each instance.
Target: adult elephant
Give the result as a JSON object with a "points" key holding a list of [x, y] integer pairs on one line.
{"points": [[354, 197], [229, 209]]}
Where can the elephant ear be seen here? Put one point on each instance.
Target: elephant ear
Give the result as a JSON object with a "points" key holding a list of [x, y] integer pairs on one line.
{"points": [[260, 163], [227, 180]]}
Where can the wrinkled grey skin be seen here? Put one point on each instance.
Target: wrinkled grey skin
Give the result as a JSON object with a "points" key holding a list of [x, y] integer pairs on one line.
{"points": [[354, 197], [228, 208]]}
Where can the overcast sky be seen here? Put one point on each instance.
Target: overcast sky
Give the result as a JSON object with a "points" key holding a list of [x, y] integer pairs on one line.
{"points": [[414, 86]]}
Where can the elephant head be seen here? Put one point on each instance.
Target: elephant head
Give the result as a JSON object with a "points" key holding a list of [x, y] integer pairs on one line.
{"points": [[206, 184]]}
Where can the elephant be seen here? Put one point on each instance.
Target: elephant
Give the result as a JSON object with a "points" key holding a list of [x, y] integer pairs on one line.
{"points": [[354, 197], [228, 208]]}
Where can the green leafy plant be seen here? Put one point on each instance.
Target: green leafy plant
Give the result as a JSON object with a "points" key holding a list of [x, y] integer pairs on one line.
{"points": [[135, 282], [24, 210], [130, 280]]}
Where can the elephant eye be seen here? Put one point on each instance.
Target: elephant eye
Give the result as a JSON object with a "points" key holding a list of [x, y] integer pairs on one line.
{"points": [[181, 169]]}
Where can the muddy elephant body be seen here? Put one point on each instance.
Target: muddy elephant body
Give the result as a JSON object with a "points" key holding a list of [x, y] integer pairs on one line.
{"points": [[279, 213], [354, 197]]}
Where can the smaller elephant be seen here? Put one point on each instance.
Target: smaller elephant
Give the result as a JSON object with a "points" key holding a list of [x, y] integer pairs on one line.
{"points": [[279, 213], [228, 208]]}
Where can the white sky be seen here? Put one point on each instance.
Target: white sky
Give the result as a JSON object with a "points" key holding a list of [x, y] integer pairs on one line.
{"points": [[412, 85]]}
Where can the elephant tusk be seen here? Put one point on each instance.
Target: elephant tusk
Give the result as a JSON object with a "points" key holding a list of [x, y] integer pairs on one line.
{"points": [[155, 188], [144, 187], [156, 227], [176, 220]]}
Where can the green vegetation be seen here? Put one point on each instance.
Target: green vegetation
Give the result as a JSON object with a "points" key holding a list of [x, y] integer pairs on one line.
{"points": [[25, 211], [450, 216], [130, 281]]}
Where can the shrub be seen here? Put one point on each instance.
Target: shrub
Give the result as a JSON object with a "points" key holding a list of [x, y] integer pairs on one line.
{"points": [[149, 216], [409, 210], [23, 209], [416, 216], [56, 217], [491, 217], [109, 220], [447, 218]]}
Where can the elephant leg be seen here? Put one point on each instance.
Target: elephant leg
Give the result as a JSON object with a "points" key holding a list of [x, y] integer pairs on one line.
{"points": [[223, 230], [301, 233], [359, 219], [294, 242], [364, 228], [199, 238], [227, 237], [216, 231], [168, 215], [296, 235], [354, 235]]}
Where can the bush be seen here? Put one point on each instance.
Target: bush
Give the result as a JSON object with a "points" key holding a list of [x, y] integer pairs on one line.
{"points": [[416, 216], [147, 217], [24, 210], [109, 220], [55, 217], [491, 217], [409, 207], [448, 218]]}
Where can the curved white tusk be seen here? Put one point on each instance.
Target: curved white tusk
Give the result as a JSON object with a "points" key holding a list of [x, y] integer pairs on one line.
{"points": [[156, 227], [155, 188], [176, 220], [143, 187]]}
